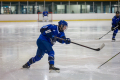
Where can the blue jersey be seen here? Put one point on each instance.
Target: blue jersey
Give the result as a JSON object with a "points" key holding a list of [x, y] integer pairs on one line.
{"points": [[55, 32], [115, 21], [45, 13]]}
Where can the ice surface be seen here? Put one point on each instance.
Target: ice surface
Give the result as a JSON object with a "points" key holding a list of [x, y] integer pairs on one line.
{"points": [[18, 45]]}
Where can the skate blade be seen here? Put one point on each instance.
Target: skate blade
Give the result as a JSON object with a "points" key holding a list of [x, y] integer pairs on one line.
{"points": [[54, 71], [24, 68], [102, 46], [97, 39], [113, 40]]}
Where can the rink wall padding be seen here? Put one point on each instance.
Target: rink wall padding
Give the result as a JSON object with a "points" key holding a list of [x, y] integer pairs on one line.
{"points": [[54, 0], [57, 17]]}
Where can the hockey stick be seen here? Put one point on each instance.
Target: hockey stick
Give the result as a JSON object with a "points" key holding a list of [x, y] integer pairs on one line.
{"points": [[106, 33], [108, 60], [98, 49]]}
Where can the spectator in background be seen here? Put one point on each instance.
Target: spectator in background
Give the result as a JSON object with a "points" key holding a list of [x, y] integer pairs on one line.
{"points": [[11, 12], [72, 11], [38, 11], [14, 12]]}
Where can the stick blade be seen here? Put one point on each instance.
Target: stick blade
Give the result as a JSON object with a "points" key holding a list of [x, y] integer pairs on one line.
{"points": [[102, 46], [97, 39], [99, 67]]}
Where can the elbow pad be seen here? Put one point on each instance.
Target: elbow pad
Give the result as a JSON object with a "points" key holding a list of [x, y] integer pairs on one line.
{"points": [[43, 30]]}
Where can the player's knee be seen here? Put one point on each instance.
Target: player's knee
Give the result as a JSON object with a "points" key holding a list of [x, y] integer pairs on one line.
{"points": [[114, 34], [51, 53], [38, 57]]}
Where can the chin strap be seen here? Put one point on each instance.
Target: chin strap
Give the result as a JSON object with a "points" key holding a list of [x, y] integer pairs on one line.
{"points": [[117, 16], [60, 29]]}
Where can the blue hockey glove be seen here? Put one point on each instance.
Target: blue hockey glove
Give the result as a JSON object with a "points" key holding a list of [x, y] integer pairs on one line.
{"points": [[49, 33], [67, 41]]}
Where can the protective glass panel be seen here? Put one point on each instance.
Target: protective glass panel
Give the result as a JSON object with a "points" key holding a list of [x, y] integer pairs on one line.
{"points": [[114, 6], [14, 7], [5, 9], [23, 7], [106, 7], [97, 7], [89, 7]]}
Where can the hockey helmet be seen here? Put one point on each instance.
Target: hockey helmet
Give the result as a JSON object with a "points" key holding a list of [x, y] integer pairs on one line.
{"points": [[63, 23]]}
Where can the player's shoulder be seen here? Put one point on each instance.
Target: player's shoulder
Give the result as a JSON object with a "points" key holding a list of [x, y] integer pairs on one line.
{"points": [[54, 26], [45, 26], [114, 18]]}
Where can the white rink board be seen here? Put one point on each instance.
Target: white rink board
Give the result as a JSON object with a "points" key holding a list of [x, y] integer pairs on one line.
{"points": [[13, 17]]}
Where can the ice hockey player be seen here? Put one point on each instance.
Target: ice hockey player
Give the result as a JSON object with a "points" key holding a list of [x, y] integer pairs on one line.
{"points": [[45, 16], [45, 42], [115, 22]]}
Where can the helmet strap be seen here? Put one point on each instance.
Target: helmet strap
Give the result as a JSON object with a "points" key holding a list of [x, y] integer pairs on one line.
{"points": [[60, 27]]}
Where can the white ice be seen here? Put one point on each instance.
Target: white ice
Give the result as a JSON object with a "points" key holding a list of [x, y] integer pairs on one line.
{"points": [[18, 45]]}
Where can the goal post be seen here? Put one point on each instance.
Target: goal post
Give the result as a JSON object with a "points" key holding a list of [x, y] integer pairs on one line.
{"points": [[40, 16]]}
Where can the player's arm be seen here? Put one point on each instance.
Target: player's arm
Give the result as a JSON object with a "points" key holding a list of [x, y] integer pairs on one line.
{"points": [[61, 41], [43, 29], [113, 24], [67, 40], [119, 24], [119, 21], [46, 31]]}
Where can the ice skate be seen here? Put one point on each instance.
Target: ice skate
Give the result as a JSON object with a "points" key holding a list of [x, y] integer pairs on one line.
{"points": [[53, 69], [113, 39], [26, 66]]}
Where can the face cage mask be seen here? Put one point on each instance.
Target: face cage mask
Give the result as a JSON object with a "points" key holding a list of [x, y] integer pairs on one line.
{"points": [[66, 28], [61, 28]]}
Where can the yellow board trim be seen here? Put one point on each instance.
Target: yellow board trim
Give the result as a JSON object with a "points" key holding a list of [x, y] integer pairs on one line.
{"points": [[51, 0], [88, 20], [59, 20], [21, 21]]}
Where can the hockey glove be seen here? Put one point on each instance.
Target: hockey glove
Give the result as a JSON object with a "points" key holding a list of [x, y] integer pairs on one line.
{"points": [[67, 41], [112, 28], [49, 33]]}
